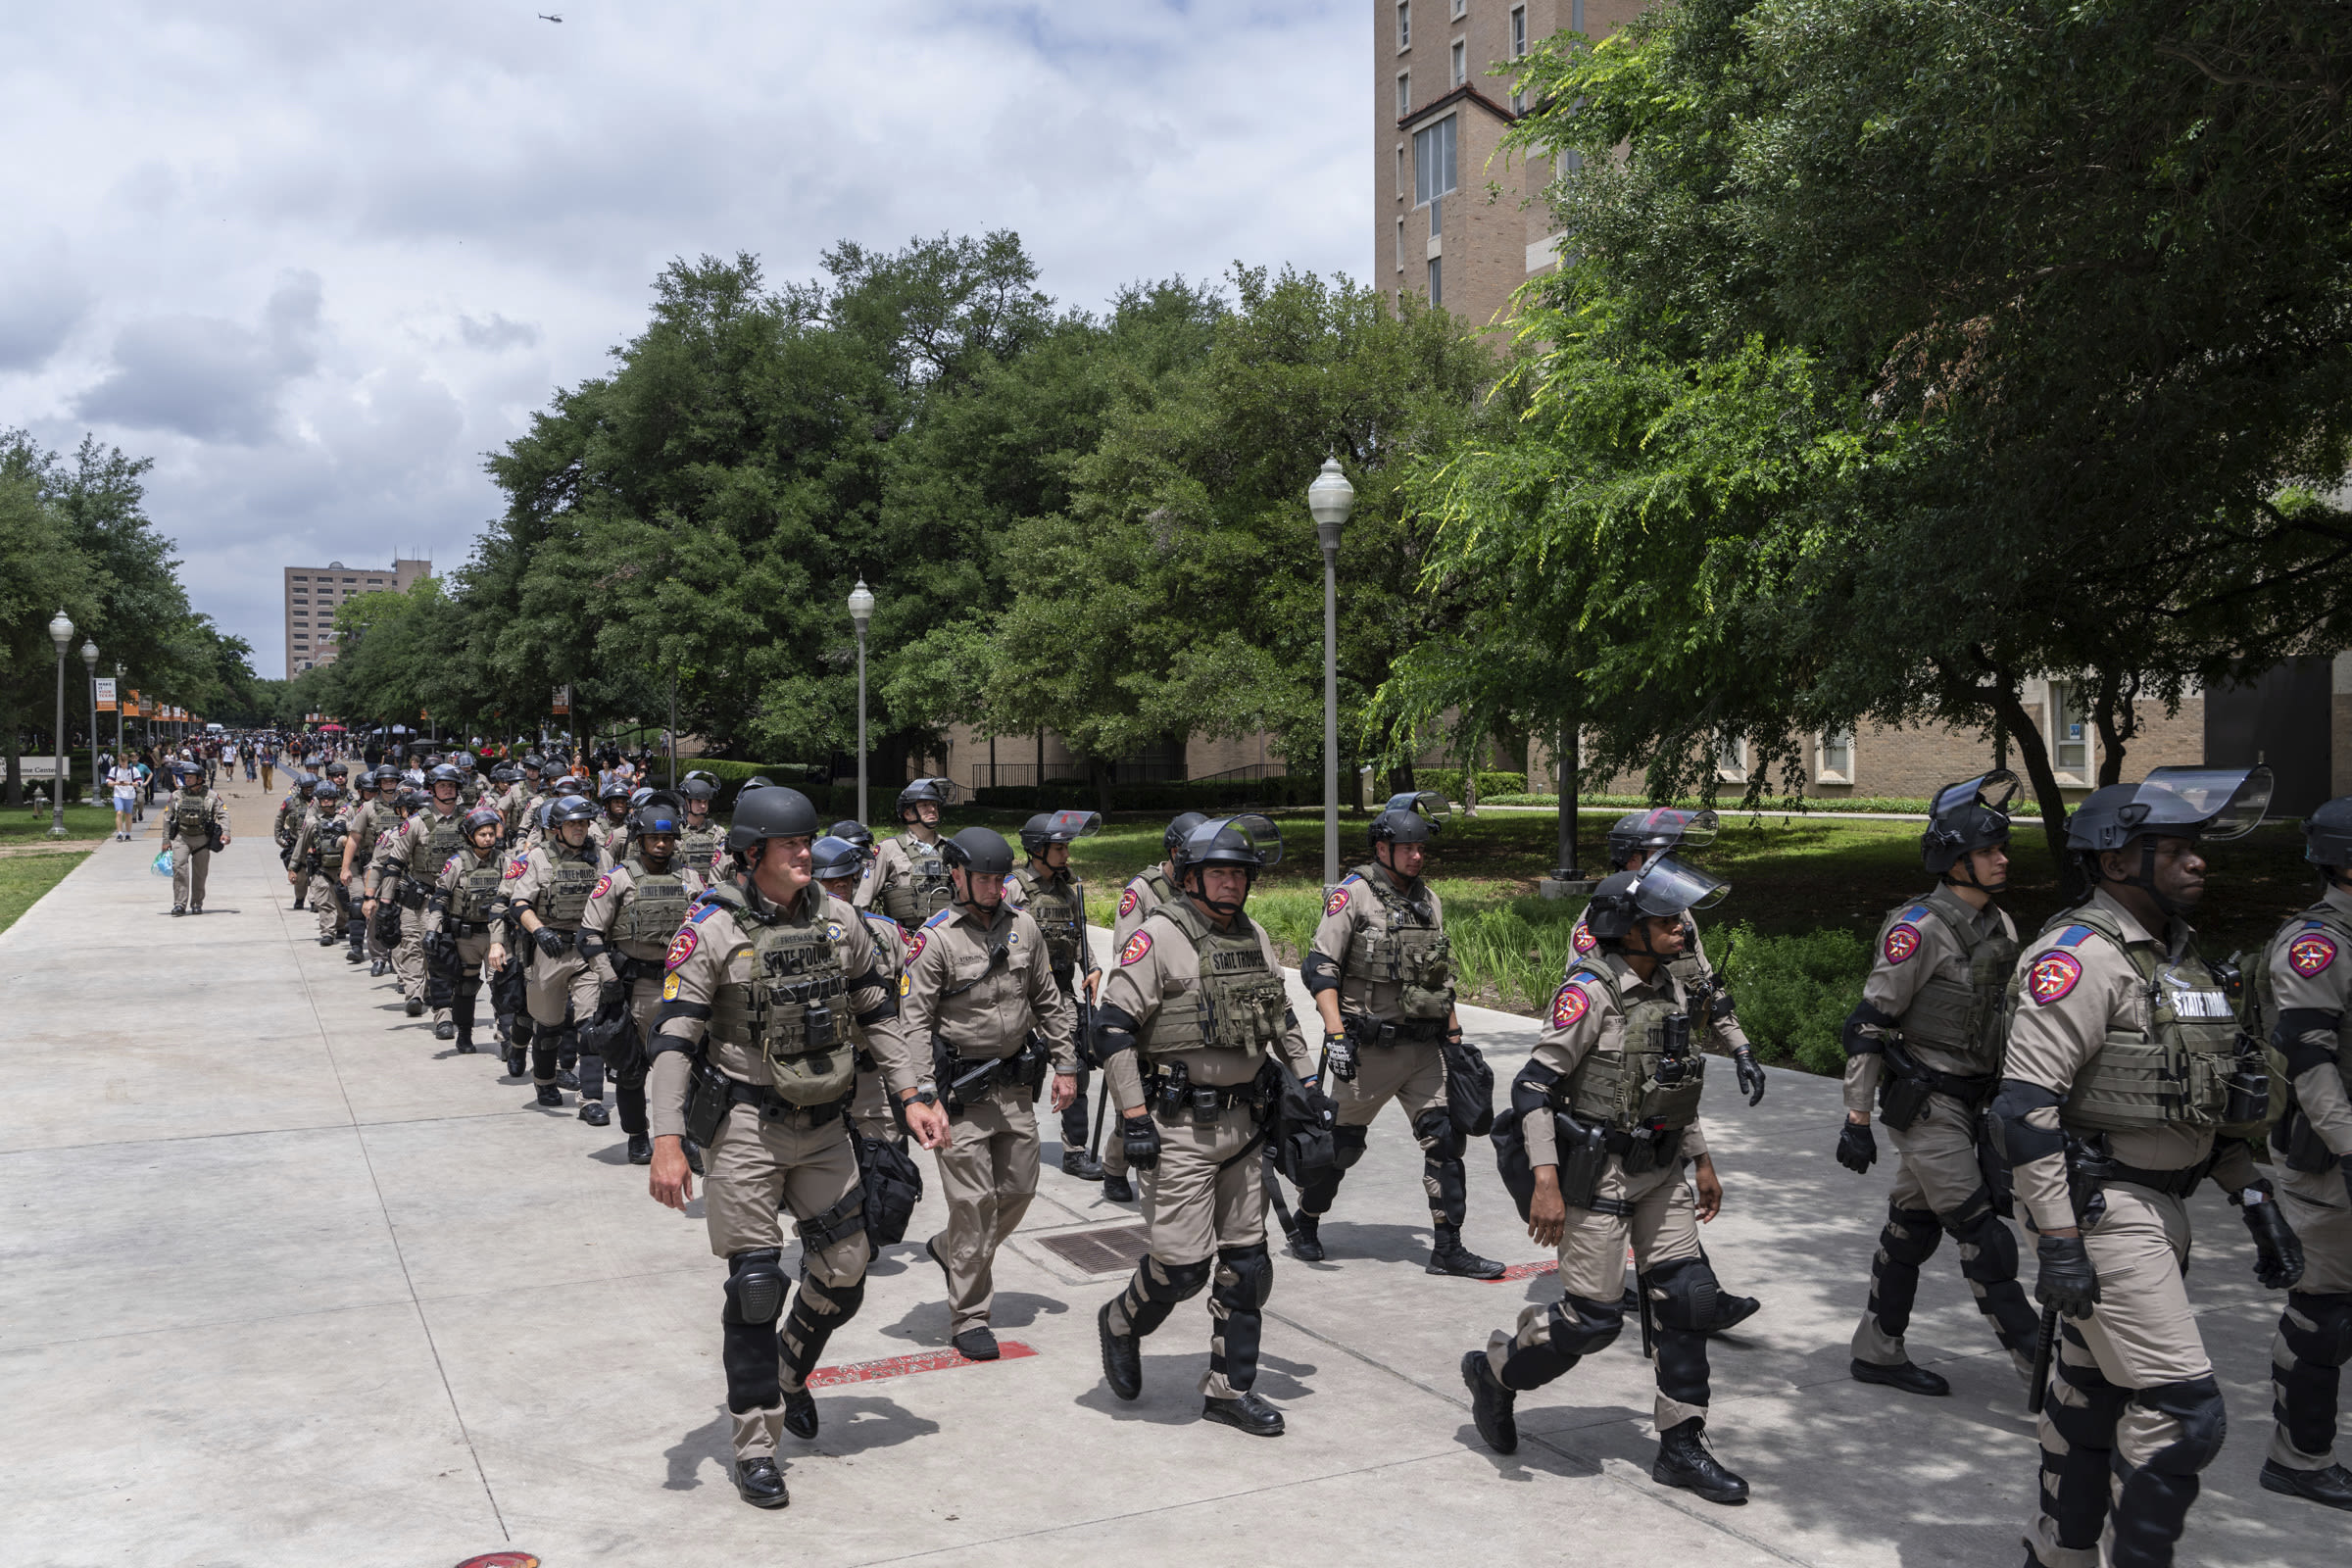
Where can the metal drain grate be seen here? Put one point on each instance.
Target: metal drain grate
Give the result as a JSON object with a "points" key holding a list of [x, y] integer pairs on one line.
{"points": [[1112, 1250]]}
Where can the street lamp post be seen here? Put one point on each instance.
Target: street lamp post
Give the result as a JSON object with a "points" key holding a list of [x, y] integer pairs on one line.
{"points": [[120, 746], [862, 611], [89, 663], [61, 632], [1331, 498]]}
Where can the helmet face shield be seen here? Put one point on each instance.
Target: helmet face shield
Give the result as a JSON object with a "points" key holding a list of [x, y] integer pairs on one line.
{"points": [[1994, 791], [1660, 828], [1666, 886], [2215, 804], [1250, 840], [1064, 827]]}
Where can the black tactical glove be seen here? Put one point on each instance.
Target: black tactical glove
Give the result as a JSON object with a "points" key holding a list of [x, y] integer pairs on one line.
{"points": [[1339, 1055], [1138, 1139], [1857, 1148], [2067, 1281], [552, 942], [2277, 1254], [1751, 1076]]}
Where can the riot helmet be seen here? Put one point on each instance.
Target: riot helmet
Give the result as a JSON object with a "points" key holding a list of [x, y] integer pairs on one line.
{"points": [[1415, 816], [699, 787], [1964, 817], [571, 809], [758, 781], [773, 812], [837, 860], [338, 770], [857, 833], [480, 817], [980, 851], [939, 792], [2328, 837], [1658, 829], [655, 817], [2210, 803], [327, 791], [1664, 887], [1058, 827], [1251, 842], [615, 791], [1180, 829]]}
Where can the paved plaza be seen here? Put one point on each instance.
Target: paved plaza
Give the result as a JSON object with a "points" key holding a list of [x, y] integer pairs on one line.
{"points": [[283, 1280]]}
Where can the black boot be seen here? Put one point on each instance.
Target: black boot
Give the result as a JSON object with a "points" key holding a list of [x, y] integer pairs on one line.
{"points": [[1117, 1188], [1305, 1245], [594, 1114], [761, 1484], [1450, 1257], [415, 1007], [1081, 1164], [641, 1148], [1684, 1461], [2331, 1488], [1908, 1376], [1244, 1413], [550, 1096], [1122, 1357], [446, 1029], [1491, 1405], [799, 1414], [1731, 1311]]}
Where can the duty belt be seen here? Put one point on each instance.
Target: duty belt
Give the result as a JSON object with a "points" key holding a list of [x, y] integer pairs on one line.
{"points": [[776, 1108], [1641, 1152], [465, 928], [1367, 1030], [2177, 1182], [1172, 1098], [1969, 1091], [977, 1078]]}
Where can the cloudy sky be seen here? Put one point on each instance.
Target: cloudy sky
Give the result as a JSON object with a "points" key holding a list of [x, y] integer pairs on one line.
{"points": [[314, 259]]}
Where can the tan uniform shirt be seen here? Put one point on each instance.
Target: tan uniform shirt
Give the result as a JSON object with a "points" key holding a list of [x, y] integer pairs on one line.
{"points": [[215, 807], [1693, 964], [1149, 890], [2311, 972], [1157, 964], [616, 890], [1352, 906], [529, 876], [890, 864], [1584, 1016], [712, 952], [2074, 989], [992, 1018], [1913, 950]]}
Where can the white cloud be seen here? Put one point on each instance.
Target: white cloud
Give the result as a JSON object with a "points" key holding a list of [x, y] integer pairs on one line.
{"points": [[317, 261]]}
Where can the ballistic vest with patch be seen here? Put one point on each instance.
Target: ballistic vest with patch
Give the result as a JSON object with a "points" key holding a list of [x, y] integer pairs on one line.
{"points": [[2173, 1074], [571, 883], [1052, 904], [444, 836], [793, 1011], [653, 910], [1402, 946], [2261, 1015], [190, 815], [698, 847], [924, 890], [1238, 1004], [478, 880], [1626, 1084], [1963, 1020]]}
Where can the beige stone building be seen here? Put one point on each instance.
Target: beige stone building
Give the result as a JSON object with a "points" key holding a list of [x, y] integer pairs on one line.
{"points": [[312, 594]]}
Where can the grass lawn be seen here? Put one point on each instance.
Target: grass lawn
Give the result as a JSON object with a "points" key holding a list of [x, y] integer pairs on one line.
{"points": [[26, 877], [23, 825]]}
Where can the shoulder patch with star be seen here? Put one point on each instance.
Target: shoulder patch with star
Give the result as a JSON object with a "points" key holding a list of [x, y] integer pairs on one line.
{"points": [[1568, 1005], [1135, 946], [2051, 975]]}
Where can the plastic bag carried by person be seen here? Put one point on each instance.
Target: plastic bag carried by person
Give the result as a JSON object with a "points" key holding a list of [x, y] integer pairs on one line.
{"points": [[160, 866]]}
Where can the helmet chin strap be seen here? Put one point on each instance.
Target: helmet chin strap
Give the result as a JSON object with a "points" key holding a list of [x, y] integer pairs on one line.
{"points": [[2146, 881], [1970, 880]]}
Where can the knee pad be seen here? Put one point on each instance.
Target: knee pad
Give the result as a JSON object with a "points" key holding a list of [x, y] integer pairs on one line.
{"points": [[2329, 1340], [1440, 1137], [754, 1364], [840, 1302], [1581, 1326], [756, 1286], [2204, 1422], [1347, 1146], [2092, 1423], [1158, 1286], [1995, 1248], [1255, 1269], [1686, 1294], [1911, 1235], [1682, 1372]]}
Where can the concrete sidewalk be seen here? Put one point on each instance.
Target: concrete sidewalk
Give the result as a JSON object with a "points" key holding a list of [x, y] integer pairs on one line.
{"points": [[283, 1280]]}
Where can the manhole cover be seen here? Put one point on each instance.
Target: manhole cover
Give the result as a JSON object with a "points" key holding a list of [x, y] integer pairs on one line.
{"points": [[1112, 1250]]}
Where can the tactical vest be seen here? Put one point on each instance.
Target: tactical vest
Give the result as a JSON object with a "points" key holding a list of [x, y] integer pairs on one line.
{"points": [[1238, 1002], [326, 839], [2261, 1012], [1692, 971], [1628, 1084], [2175, 1074], [443, 838], [698, 847], [924, 891], [568, 889], [656, 907], [792, 1014], [1053, 904], [1402, 948], [191, 814], [478, 880], [1962, 1019]]}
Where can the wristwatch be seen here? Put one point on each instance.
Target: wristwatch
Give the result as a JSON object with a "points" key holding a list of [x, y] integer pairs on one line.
{"points": [[926, 1093]]}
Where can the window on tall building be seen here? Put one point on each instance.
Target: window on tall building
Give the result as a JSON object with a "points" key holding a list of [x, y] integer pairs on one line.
{"points": [[1461, 61], [1402, 186], [1404, 23], [1461, 9], [1731, 765], [1404, 93], [1433, 160], [300, 578], [2070, 736], [1437, 281], [1838, 756], [1400, 244]]}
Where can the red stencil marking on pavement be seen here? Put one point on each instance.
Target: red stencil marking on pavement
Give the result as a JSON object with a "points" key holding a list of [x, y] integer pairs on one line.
{"points": [[1526, 1272], [502, 1559], [899, 1366]]}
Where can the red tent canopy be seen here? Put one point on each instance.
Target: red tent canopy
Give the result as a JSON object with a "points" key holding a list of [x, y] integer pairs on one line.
{"points": [[336, 728]]}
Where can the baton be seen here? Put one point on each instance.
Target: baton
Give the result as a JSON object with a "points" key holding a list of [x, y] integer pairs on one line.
{"points": [[2045, 1344], [1093, 1148], [1282, 1210], [1649, 1327]]}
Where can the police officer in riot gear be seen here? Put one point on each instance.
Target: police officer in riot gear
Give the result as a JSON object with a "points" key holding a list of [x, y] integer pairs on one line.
{"points": [[1605, 1118], [1925, 1043], [839, 866], [2122, 1061], [409, 864], [547, 893], [625, 932], [318, 837], [908, 879], [1193, 1014], [1381, 971], [2308, 965], [701, 842], [1147, 891], [463, 940], [1056, 900], [988, 1025], [750, 1058]]}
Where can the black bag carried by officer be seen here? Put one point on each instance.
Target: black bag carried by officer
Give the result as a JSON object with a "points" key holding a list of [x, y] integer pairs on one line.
{"points": [[1299, 1124], [387, 923], [215, 837], [1469, 1089], [507, 993], [894, 1185], [610, 1032]]}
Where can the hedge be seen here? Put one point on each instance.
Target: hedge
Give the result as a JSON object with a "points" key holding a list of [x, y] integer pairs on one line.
{"points": [[1199, 795], [1448, 781]]}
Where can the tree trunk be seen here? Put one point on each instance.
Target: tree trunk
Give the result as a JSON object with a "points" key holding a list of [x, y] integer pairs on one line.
{"points": [[16, 767], [1097, 772], [2117, 720], [2035, 752]]}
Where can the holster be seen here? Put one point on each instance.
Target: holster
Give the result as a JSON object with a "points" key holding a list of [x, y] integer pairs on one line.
{"points": [[2299, 1145], [1584, 1158], [709, 1095], [1901, 1099], [1992, 1165]]}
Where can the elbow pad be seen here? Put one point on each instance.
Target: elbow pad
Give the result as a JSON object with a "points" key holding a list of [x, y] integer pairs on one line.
{"points": [[1115, 1032], [591, 944], [2291, 1037], [1857, 1043], [1531, 1088], [2020, 1141], [1318, 973], [887, 1007]]}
